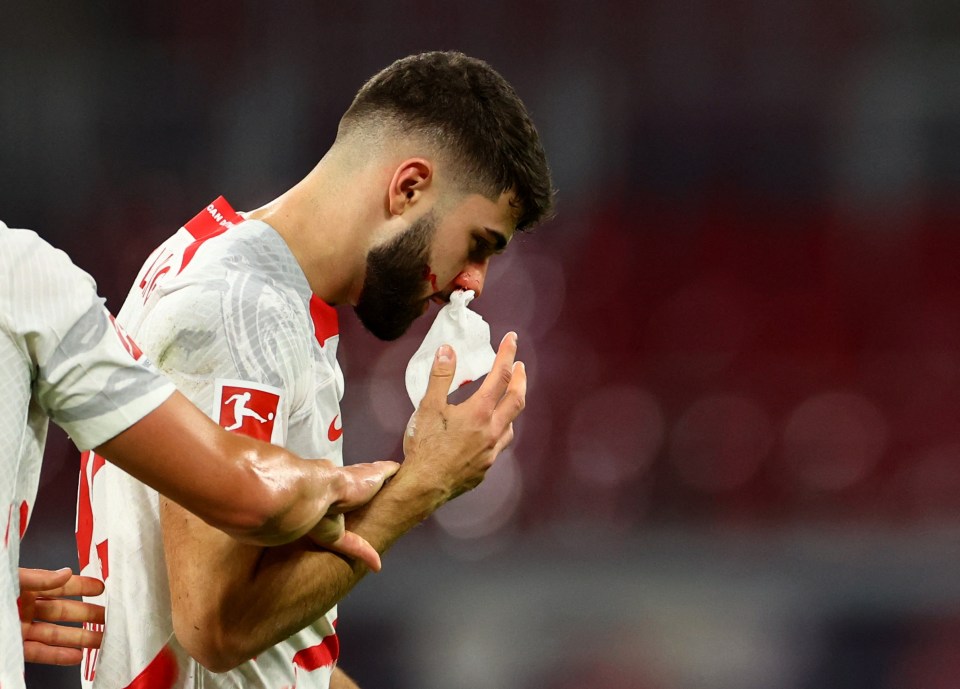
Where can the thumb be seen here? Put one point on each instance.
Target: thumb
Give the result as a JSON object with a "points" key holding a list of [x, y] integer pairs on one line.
{"points": [[356, 547], [441, 376]]}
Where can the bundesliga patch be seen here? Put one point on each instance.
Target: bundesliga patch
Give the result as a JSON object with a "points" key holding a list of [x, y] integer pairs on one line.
{"points": [[248, 408]]}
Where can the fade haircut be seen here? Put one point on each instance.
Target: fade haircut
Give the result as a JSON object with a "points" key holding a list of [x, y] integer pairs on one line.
{"points": [[464, 107]]}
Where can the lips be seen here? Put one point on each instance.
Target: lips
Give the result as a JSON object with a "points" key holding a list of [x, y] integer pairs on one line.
{"points": [[438, 298]]}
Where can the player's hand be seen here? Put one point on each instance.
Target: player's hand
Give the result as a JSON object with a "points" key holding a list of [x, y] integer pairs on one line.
{"points": [[330, 534], [455, 444], [44, 604], [361, 483]]}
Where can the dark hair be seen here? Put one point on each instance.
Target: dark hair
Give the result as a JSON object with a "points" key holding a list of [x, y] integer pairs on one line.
{"points": [[469, 110]]}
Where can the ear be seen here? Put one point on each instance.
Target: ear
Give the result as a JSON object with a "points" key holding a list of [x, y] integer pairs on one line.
{"points": [[410, 180]]}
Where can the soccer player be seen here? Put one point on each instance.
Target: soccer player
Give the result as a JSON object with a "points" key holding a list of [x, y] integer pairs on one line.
{"points": [[61, 357], [435, 165]]}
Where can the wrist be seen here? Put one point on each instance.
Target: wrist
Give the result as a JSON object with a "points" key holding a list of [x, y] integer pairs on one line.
{"points": [[417, 494], [405, 501]]}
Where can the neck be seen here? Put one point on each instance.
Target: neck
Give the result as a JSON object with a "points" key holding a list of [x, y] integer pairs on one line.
{"points": [[322, 226]]}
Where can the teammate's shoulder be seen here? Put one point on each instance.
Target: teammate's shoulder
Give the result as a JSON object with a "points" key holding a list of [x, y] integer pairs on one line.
{"points": [[30, 266], [26, 250]]}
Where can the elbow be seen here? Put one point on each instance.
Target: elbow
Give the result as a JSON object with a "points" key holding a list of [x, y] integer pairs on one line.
{"points": [[214, 661], [221, 662], [212, 646], [210, 622]]}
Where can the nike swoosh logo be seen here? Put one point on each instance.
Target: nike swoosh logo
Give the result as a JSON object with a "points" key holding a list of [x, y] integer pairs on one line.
{"points": [[334, 433]]}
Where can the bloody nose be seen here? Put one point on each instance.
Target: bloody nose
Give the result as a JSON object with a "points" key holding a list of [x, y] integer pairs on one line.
{"points": [[471, 278]]}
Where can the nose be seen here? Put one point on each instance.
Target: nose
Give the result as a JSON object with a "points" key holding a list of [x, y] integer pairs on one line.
{"points": [[472, 277]]}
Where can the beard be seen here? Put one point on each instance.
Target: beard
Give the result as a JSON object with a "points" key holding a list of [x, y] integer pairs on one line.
{"points": [[391, 300]]}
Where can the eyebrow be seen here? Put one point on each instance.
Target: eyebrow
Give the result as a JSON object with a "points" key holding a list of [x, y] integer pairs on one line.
{"points": [[499, 240]]}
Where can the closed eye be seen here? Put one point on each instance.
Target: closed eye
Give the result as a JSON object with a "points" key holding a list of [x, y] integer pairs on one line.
{"points": [[481, 250], [483, 247]]}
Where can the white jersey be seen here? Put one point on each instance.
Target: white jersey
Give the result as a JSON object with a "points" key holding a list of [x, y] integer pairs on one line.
{"points": [[60, 358], [225, 310]]}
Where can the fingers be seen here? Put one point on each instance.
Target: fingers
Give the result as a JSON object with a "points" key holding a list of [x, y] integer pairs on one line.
{"points": [[77, 586], [57, 635], [496, 382], [56, 644], [505, 439], [65, 610], [355, 546], [36, 652], [59, 583], [43, 579], [441, 376], [514, 399], [363, 482], [53, 635]]}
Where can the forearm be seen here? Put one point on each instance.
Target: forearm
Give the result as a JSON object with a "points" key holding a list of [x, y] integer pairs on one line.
{"points": [[402, 504], [447, 450], [254, 491], [291, 588], [262, 596]]}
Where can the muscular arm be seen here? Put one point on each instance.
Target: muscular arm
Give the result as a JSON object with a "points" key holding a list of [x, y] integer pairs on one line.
{"points": [[261, 596], [86, 378], [252, 490]]}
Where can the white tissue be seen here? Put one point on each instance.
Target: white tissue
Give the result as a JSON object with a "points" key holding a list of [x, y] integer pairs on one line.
{"points": [[467, 333]]}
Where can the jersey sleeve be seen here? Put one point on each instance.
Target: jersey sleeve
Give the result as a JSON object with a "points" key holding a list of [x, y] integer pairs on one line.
{"points": [[235, 349], [85, 374]]}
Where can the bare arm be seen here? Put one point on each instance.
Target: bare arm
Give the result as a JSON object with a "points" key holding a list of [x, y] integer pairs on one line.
{"points": [[252, 490], [262, 596]]}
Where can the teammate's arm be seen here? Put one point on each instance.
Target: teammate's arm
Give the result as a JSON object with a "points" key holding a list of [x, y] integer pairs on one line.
{"points": [[254, 491], [86, 380], [260, 597]]}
